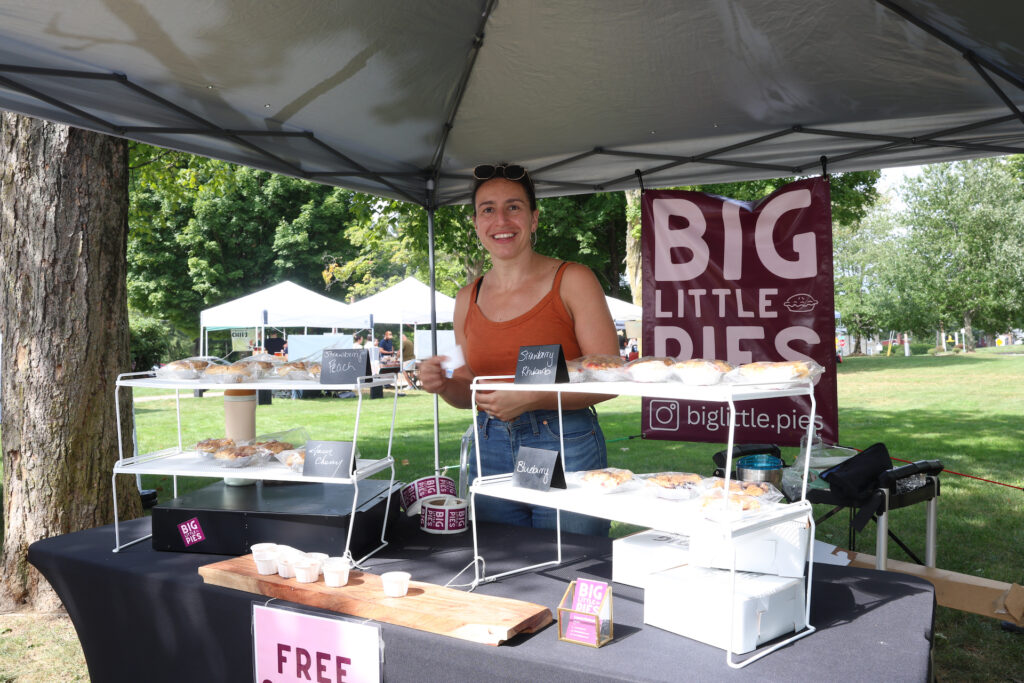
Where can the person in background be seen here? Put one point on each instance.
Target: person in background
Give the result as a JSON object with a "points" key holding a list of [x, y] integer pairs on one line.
{"points": [[387, 344], [408, 362], [357, 341], [274, 344], [525, 299]]}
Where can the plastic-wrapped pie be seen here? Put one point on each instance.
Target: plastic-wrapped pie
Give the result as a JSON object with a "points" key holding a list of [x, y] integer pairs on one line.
{"points": [[274, 446], [700, 372], [295, 370], [605, 368], [781, 371], [234, 373], [214, 445], [672, 485], [650, 369], [607, 478], [240, 456], [577, 373], [186, 368]]}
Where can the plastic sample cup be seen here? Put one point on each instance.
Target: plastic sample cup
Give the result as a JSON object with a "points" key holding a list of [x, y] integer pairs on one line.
{"points": [[396, 584], [257, 547], [266, 561], [336, 571], [306, 570], [320, 558], [285, 567]]}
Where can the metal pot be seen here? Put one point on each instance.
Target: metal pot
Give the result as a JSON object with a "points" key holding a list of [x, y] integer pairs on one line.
{"points": [[760, 468]]}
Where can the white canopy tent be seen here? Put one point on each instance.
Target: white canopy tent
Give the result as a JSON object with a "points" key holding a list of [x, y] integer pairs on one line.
{"points": [[407, 303], [285, 304], [623, 311]]}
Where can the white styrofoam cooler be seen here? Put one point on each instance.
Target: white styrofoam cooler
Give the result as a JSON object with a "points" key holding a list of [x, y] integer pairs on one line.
{"points": [[780, 549], [634, 557], [697, 602]]}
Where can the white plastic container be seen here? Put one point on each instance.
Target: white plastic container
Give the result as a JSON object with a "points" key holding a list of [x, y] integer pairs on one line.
{"points": [[336, 571], [319, 558], [779, 550], [307, 570], [637, 556], [266, 562], [698, 603], [396, 584]]}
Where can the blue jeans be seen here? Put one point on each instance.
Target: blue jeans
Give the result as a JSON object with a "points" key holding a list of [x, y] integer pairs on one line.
{"points": [[499, 444]]}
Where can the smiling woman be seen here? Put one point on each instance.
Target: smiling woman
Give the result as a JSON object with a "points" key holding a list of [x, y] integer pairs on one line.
{"points": [[526, 299]]}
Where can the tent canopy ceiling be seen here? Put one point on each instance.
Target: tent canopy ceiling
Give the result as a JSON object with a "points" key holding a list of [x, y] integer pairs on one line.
{"points": [[286, 305], [381, 96]]}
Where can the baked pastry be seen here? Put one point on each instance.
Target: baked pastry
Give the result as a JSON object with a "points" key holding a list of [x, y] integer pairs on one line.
{"points": [[187, 364], [719, 483], [297, 367], [576, 371], [214, 445], [650, 369], [737, 502], [675, 480], [236, 452], [782, 371], [608, 478], [274, 446], [313, 369], [700, 372], [296, 458], [605, 368], [237, 372]]}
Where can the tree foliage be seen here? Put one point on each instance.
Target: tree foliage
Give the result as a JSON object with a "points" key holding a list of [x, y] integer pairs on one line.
{"points": [[203, 232], [965, 223]]}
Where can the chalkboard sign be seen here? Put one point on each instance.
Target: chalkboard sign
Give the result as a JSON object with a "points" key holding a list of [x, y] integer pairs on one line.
{"points": [[344, 366], [538, 469], [541, 365], [329, 459]]}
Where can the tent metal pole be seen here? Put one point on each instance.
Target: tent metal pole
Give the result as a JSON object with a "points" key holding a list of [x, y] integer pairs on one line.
{"points": [[433, 313]]}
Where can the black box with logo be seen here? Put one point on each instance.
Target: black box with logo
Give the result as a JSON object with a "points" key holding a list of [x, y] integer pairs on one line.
{"points": [[314, 517]]}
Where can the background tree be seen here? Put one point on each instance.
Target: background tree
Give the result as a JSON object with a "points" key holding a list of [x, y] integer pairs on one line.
{"points": [[966, 224], [204, 232], [63, 215]]}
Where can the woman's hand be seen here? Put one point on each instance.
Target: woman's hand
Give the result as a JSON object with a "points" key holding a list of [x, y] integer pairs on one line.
{"points": [[505, 405], [432, 375]]}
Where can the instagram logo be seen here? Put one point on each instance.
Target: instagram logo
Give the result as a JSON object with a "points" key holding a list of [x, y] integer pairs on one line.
{"points": [[664, 415]]}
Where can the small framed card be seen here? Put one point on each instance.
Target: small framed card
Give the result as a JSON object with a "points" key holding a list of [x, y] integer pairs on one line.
{"points": [[538, 469], [541, 365], [344, 366], [329, 459], [585, 613]]}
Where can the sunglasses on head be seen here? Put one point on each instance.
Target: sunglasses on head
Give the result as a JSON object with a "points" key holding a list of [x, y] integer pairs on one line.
{"points": [[506, 171]]}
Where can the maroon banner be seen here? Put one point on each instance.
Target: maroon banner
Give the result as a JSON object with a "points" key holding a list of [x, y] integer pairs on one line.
{"points": [[741, 282]]}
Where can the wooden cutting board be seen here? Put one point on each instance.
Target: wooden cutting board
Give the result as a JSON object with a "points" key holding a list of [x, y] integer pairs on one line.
{"points": [[427, 607]]}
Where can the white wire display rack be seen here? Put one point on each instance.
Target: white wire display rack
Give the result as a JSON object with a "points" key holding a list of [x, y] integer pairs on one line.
{"points": [[183, 461], [665, 515]]}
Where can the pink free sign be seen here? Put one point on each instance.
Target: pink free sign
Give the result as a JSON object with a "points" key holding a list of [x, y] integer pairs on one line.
{"points": [[294, 646]]}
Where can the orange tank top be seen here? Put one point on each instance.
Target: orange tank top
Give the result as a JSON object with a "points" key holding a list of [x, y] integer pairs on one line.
{"points": [[492, 347]]}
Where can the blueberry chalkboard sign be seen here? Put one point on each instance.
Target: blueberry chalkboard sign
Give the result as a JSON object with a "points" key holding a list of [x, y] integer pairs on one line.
{"points": [[538, 469], [344, 366], [541, 365], [328, 459]]}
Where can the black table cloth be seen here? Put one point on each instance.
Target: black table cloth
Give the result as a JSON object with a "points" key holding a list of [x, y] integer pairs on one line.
{"points": [[144, 615]]}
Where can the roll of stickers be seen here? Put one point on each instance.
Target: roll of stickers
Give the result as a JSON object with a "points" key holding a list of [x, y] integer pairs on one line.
{"points": [[425, 487], [444, 515]]}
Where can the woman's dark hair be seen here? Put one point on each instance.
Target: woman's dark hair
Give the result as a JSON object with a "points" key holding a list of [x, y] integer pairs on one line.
{"points": [[512, 172]]}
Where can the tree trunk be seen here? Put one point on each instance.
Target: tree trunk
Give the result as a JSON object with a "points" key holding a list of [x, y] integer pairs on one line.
{"points": [[633, 273], [63, 238], [968, 333]]}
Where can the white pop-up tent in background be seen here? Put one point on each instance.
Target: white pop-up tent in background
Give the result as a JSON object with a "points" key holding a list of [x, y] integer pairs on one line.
{"points": [[285, 304]]}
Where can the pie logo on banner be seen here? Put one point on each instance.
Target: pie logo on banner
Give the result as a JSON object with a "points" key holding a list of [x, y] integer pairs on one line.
{"points": [[740, 282]]}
